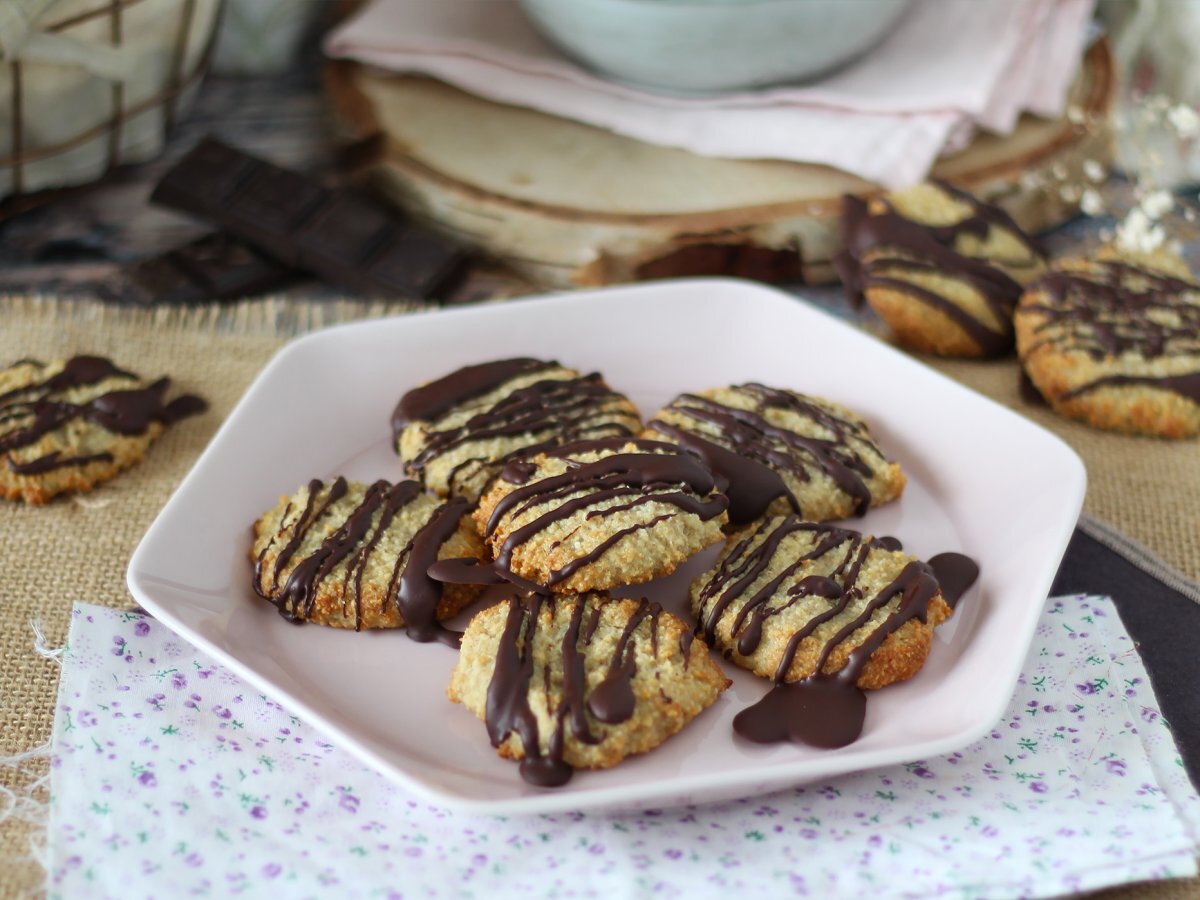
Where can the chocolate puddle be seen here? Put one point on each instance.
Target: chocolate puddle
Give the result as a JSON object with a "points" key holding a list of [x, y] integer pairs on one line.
{"points": [[822, 712], [955, 574], [827, 709]]}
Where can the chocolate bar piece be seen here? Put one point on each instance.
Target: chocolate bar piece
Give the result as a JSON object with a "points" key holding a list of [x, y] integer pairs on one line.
{"points": [[217, 266], [334, 233]]}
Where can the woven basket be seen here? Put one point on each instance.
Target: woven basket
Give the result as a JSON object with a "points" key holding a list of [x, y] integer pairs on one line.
{"points": [[86, 85]]}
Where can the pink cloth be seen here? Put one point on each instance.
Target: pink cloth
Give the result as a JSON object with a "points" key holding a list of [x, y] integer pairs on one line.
{"points": [[949, 67]]}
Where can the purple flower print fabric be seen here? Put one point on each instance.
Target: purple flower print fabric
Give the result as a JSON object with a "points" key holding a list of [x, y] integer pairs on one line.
{"points": [[173, 778]]}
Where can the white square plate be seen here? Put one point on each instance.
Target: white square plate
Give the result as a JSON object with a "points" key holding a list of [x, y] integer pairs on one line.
{"points": [[982, 481]]}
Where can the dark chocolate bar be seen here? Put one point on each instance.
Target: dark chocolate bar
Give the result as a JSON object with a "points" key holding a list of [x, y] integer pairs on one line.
{"points": [[216, 266], [335, 233]]}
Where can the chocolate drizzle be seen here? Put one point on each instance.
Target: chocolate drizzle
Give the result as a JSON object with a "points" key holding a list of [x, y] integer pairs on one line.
{"points": [[610, 702], [54, 460], [417, 594], [539, 416], [824, 708], [635, 478], [354, 541], [750, 455], [79, 371], [898, 246], [430, 401], [1115, 311], [30, 412]]}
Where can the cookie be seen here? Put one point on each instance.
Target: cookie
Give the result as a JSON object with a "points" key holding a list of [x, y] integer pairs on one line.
{"points": [[597, 514], [68, 425], [789, 599], [781, 451], [581, 681], [1115, 343], [352, 555], [456, 433], [942, 269]]}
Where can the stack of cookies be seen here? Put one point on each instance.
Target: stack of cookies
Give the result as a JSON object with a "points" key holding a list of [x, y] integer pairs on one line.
{"points": [[530, 474]]}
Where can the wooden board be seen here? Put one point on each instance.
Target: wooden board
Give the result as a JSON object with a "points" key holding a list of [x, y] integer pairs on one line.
{"points": [[571, 205]]}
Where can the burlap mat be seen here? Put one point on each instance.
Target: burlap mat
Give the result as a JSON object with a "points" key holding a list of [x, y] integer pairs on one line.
{"points": [[78, 549]]}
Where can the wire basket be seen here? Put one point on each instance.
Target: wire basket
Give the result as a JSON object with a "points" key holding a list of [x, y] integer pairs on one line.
{"points": [[86, 85]]}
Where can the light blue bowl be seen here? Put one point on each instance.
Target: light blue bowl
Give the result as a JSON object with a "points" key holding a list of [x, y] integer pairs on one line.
{"points": [[707, 46]]}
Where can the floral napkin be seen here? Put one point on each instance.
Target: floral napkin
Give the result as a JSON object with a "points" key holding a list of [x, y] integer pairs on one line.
{"points": [[948, 67], [171, 777]]}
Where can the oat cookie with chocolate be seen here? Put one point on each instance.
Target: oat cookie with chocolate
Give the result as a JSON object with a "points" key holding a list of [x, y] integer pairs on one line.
{"points": [[789, 599], [1115, 342], [353, 555], [943, 269], [581, 681], [68, 425], [597, 514], [457, 432], [781, 451]]}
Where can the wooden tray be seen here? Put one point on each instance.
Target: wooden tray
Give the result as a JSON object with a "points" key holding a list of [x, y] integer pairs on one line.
{"points": [[571, 205]]}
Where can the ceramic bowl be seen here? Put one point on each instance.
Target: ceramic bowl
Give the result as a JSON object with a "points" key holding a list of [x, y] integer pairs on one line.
{"points": [[706, 46]]}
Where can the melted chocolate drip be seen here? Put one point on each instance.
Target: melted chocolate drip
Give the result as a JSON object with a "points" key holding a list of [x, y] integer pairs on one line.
{"points": [[415, 593], [824, 708], [610, 702], [518, 471], [1102, 314], [508, 708], [575, 675], [35, 410], [955, 574], [933, 252], [181, 408], [754, 454], [749, 484]]}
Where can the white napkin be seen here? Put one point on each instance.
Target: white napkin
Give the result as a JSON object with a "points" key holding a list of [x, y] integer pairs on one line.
{"points": [[949, 66], [173, 778]]}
